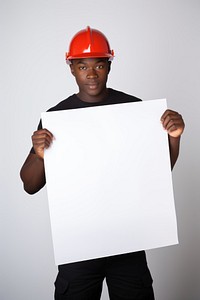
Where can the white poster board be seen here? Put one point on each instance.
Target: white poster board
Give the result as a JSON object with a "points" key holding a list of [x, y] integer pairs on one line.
{"points": [[109, 181]]}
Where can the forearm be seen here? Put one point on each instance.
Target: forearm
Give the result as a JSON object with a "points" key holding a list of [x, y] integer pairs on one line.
{"points": [[174, 146], [33, 174]]}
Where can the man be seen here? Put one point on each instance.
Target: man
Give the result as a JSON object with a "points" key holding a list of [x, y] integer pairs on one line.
{"points": [[127, 275]]}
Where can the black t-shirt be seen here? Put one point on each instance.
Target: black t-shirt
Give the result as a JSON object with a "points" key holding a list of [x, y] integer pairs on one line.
{"points": [[72, 102], [113, 97]]}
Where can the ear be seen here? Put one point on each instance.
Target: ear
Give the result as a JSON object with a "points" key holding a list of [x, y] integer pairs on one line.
{"points": [[109, 66], [72, 68]]}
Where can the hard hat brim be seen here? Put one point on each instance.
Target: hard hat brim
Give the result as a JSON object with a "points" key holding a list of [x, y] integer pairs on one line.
{"points": [[89, 55]]}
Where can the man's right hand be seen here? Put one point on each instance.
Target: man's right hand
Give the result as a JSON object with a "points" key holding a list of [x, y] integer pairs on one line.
{"points": [[41, 140]]}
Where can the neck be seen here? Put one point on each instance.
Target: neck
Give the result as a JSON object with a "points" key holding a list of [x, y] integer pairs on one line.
{"points": [[93, 98]]}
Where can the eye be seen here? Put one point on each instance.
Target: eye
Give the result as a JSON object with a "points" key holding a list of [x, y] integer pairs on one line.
{"points": [[82, 68], [99, 67]]}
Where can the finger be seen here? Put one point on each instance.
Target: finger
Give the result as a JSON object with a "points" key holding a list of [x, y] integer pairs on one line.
{"points": [[43, 131], [41, 143], [170, 118], [42, 138], [167, 112], [175, 128], [172, 126], [42, 134]]}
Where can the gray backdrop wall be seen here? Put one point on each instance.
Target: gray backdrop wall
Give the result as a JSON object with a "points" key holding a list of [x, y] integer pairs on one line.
{"points": [[157, 46]]}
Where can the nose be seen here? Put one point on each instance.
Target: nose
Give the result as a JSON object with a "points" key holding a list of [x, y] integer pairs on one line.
{"points": [[91, 73]]}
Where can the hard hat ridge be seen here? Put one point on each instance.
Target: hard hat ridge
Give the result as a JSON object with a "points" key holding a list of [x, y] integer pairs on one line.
{"points": [[89, 43]]}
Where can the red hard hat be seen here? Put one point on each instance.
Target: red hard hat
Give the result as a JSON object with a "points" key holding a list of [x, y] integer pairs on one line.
{"points": [[89, 43]]}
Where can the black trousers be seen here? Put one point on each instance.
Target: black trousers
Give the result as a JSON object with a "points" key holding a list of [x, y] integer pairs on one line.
{"points": [[127, 277]]}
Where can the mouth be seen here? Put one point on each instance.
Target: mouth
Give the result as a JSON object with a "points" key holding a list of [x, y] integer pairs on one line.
{"points": [[92, 85]]}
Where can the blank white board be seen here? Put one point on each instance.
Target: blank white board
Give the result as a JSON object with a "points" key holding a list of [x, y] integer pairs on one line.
{"points": [[109, 181]]}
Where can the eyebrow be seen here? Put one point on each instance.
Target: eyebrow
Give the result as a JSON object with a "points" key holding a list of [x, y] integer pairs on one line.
{"points": [[101, 60], [80, 62]]}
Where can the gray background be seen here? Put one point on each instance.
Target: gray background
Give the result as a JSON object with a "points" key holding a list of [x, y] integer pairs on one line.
{"points": [[157, 46]]}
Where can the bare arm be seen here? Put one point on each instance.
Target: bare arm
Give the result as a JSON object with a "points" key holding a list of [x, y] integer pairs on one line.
{"points": [[32, 172], [174, 125]]}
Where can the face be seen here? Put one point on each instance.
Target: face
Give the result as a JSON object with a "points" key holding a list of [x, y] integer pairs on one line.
{"points": [[91, 76]]}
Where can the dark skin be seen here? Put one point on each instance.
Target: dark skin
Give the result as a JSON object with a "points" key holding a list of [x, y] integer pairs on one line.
{"points": [[91, 75]]}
